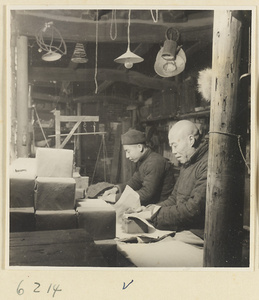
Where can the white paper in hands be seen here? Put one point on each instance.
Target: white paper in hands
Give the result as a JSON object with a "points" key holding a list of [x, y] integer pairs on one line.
{"points": [[129, 200]]}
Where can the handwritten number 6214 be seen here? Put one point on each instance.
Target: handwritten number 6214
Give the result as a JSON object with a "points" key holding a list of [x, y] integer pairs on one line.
{"points": [[20, 290]]}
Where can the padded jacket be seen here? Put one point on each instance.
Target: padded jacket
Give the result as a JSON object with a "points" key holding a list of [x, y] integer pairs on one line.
{"points": [[153, 179], [185, 207]]}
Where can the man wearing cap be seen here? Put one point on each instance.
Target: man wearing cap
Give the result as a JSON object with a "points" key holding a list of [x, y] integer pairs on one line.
{"points": [[153, 179], [185, 207]]}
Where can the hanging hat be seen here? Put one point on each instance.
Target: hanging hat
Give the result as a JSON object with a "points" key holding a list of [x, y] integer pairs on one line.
{"points": [[160, 64], [133, 137]]}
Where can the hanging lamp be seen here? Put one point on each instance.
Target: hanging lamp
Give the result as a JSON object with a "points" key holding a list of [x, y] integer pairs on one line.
{"points": [[79, 55], [53, 52], [170, 59], [128, 58]]}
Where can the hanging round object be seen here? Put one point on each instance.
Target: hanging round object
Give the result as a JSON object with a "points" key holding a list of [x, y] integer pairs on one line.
{"points": [[51, 56], [54, 50], [169, 67]]}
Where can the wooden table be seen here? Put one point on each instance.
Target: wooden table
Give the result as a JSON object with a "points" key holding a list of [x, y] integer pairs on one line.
{"points": [[71, 248]]}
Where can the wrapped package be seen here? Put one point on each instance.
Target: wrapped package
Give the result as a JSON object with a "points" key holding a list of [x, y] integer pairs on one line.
{"points": [[53, 162], [55, 219], [82, 182], [22, 179], [54, 193], [98, 218], [80, 193], [22, 219]]}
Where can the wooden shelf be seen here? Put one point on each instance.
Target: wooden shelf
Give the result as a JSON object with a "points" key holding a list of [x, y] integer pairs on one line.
{"points": [[202, 113]]}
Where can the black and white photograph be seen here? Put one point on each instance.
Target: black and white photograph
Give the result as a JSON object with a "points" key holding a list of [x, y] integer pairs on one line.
{"points": [[130, 138]]}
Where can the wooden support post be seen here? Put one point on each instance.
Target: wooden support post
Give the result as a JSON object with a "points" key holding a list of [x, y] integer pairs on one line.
{"points": [[13, 43], [225, 185], [23, 144]]}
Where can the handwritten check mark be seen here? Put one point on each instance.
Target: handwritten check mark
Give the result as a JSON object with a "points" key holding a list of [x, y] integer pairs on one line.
{"points": [[125, 286]]}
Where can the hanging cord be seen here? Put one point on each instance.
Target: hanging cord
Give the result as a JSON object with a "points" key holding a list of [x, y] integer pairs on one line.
{"points": [[96, 53], [38, 119], [113, 22], [239, 145], [155, 19], [129, 30]]}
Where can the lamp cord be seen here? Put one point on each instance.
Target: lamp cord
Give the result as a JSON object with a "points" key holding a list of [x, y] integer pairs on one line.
{"points": [[96, 53], [113, 22], [239, 145], [155, 19], [129, 30]]}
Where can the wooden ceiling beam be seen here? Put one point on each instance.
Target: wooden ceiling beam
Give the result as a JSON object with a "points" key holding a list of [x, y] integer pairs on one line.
{"points": [[84, 75], [48, 97], [28, 23], [104, 98]]}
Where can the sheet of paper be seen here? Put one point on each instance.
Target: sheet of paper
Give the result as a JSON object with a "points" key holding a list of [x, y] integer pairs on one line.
{"points": [[129, 199], [96, 202]]}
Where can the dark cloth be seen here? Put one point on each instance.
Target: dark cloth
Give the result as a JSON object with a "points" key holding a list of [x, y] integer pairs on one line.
{"points": [[97, 189], [153, 179], [185, 208]]}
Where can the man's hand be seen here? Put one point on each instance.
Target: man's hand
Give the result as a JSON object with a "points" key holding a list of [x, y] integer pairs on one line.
{"points": [[144, 212], [113, 190], [134, 210]]}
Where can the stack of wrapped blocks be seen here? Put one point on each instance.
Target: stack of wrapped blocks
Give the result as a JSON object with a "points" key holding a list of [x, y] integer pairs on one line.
{"points": [[43, 193], [54, 196], [22, 179]]}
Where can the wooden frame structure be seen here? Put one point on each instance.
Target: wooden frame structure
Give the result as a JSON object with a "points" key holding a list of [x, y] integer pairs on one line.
{"points": [[77, 119]]}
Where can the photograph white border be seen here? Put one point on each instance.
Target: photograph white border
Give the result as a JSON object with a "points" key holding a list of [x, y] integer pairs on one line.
{"points": [[253, 269]]}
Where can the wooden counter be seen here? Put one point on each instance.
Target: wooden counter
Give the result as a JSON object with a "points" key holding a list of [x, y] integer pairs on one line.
{"points": [[70, 248]]}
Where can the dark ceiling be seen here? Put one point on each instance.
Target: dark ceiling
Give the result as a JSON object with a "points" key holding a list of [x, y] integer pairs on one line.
{"points": [[105, 32]]}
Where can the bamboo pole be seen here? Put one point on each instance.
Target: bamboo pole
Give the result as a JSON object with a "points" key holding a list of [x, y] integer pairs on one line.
{"points": [[23, 143], [223, 226]]}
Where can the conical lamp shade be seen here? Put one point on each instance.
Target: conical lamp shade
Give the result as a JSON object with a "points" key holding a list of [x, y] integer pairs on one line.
{"points": [[179, 64], [128, 56], [79, 55], [51, 56]]}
